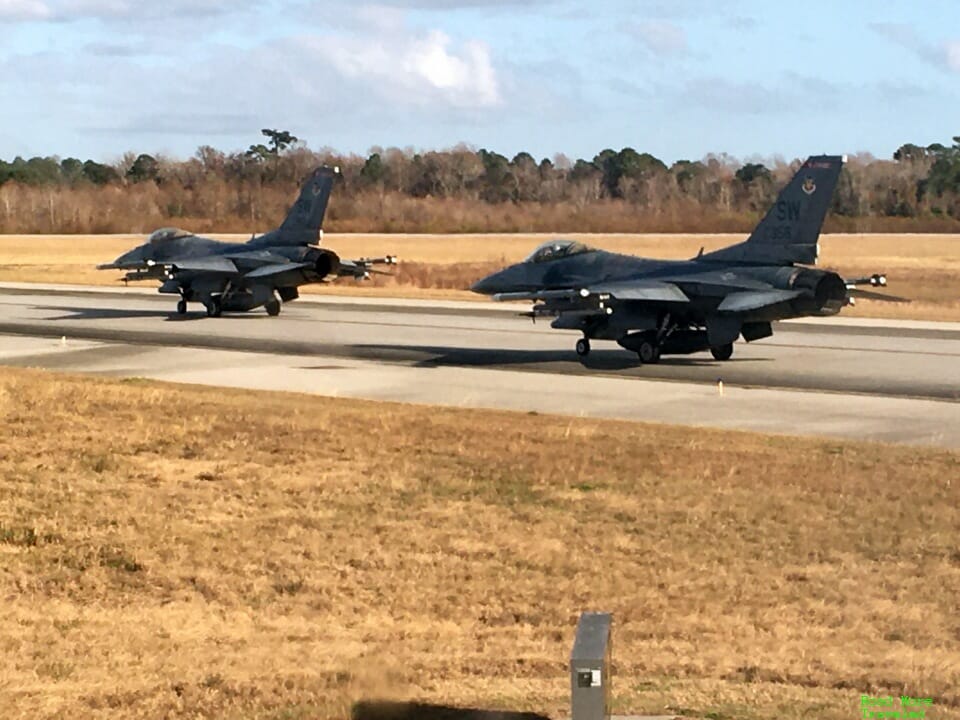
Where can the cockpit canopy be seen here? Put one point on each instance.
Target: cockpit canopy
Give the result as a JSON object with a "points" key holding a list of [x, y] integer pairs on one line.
{"points": [[555, 249], [166, 235]]}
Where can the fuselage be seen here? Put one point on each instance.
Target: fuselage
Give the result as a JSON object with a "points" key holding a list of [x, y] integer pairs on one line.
{"points": [[163, 249], [706, 284]]}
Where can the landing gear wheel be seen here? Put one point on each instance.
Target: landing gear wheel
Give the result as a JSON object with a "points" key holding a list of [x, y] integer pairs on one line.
{"points": [[272, 307], [182, 307], [722, 352], [214, 308], [583, 347], [648, 352]]}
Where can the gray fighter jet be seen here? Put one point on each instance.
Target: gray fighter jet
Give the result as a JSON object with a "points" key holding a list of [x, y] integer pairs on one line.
{"points": [[656, 307], [265, 271]]}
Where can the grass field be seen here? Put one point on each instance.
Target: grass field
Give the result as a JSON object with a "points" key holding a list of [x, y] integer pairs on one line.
{"points": [[203, 552], [924, 268]]}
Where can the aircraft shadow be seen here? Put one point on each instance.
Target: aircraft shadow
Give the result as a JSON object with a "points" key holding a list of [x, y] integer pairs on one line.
{"points": [[72, 313], [434, 356], [608, 360], [381, 710]]}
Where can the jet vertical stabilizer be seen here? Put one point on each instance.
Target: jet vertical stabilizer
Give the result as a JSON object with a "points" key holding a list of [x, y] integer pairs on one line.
{"points": [[789, 231], [304, 220]]}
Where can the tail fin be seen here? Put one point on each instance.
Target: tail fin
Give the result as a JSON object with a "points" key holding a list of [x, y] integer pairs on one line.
{"points": [[789, 231], [304, 220]]}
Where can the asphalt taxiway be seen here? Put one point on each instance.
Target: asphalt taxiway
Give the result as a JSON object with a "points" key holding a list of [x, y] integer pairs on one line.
{"points": [[877, 380]]}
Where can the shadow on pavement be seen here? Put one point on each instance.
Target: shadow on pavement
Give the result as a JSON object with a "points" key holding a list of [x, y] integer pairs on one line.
{"points": [[74, 313], [604, 360], [377, 710]]}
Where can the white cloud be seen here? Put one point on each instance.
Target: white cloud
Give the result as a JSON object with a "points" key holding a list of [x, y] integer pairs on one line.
{"points": [[416, 68], [373, 76], [661, 37], [19, 10], [67, 10], [945, 56], [953, 55]]}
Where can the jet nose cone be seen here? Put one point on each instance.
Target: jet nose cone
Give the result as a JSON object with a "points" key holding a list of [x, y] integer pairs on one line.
{"points": [[128, 259], [499, 282], [484, 286]]}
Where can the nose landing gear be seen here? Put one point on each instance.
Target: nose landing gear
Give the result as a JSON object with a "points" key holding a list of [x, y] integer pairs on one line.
{"points": [[583, 346]]}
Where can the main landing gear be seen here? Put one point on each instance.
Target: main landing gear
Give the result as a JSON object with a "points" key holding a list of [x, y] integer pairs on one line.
{"points": [[272, 306], [214, 306], [648, 352], [182, 307], [722, 352], [649, 344]]}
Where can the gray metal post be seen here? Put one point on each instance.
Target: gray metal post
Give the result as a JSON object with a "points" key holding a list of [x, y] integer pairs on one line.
{"points": [[590, 668]]}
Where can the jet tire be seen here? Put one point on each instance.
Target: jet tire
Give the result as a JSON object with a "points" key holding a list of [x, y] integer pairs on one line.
{"points": [[722, 352], [583, 347], [214, 308], [272, 307], [648, 352], [182, 307]]}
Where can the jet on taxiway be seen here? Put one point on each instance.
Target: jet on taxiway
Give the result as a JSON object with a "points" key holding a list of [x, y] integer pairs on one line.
{"points": [[265, 271], [653, 307]]}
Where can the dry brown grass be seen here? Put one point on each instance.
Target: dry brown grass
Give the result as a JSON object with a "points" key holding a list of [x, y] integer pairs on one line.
{"points": [[925, 268], [204, 552]]}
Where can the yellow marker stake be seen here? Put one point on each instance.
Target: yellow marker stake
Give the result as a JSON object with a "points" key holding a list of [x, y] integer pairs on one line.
{"points": [[720, 387]]}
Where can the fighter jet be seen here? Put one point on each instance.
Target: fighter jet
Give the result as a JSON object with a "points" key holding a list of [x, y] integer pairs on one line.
{"points": [[265, 271], [657, 307]]}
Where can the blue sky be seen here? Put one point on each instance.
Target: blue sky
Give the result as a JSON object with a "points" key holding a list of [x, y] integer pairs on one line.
{"points": [[677, 78]]}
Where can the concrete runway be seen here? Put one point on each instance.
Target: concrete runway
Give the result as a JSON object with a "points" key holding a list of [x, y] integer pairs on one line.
{"points": [[881, 380]]}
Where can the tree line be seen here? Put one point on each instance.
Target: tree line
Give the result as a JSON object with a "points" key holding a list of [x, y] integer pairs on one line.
{"points": [[462, 189]]}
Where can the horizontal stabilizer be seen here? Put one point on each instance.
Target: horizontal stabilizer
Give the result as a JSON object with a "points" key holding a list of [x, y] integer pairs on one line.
{"points": [[871, 295], [756, 299], [265, 271]]}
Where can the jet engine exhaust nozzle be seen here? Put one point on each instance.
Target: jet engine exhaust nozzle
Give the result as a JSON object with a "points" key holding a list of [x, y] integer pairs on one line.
{"points": [[326, 263], [827, 290]]}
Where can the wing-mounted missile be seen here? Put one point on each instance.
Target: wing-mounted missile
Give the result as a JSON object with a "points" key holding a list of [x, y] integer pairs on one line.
{"points": [[875, 280], [153, 272], [362, 268]]}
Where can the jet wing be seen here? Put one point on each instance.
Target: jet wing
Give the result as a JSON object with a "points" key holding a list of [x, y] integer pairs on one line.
{"points": [[211, 263], [649, 290], [756, 299], [274, 269], [292, 273]]}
